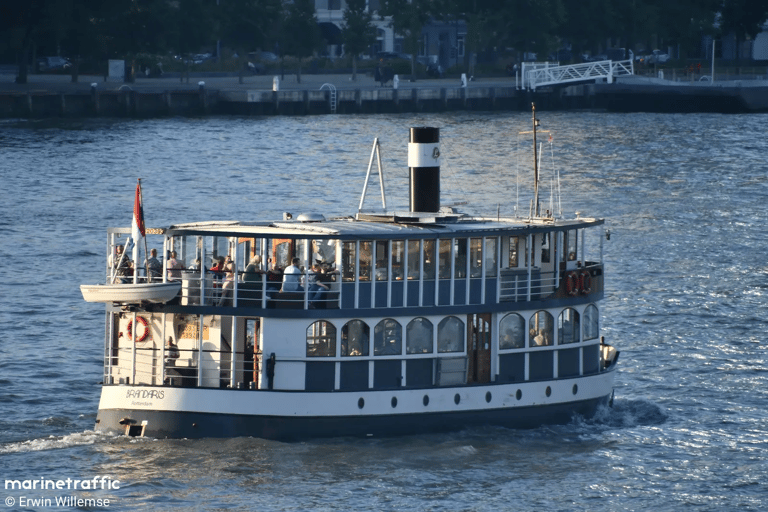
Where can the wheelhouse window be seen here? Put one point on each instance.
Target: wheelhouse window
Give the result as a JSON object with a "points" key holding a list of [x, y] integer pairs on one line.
{"points": [[591, 323], [568, 327], [355, 336], [450, 335], [321, 339], [418, 336], [513, 251], [388, 338], [545, 248], [542, 329], [571, 245], [512, 332]]}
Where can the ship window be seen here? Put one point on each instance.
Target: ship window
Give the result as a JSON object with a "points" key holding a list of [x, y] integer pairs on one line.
{"points": [[512, 332], [418, 336], [414, 257], [460, 257], [382, 260], [321, 339], [355, 336], [513, 251], [591, 323], [475, 257], [388, 338], [568, 327], [450, 335], [542, 329], [348, 261], [545, 248], [571, 245], [429, 259], [366, 255], [398, 258], [445, 259], [490, 257], [324, 252]]}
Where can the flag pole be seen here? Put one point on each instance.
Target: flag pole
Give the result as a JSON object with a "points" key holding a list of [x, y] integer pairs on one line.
{"points": [[146, 252]]}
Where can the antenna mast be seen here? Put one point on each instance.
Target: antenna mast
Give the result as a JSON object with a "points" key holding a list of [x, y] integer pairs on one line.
{"points": [[536, 209]]}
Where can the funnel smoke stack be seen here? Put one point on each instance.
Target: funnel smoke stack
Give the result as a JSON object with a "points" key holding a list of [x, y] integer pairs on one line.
{"points": [[424, 169]]}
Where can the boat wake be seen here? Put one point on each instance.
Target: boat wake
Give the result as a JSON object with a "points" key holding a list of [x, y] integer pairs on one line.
{"points": [[55, 442], [627, 414]]}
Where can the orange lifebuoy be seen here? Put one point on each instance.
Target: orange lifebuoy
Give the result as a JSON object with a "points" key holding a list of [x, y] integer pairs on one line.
{"points": [[572, 283], [586, 282], [139, 320]]}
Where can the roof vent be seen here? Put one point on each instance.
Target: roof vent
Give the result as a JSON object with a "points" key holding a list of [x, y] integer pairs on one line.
{"points": [[310, 217]]}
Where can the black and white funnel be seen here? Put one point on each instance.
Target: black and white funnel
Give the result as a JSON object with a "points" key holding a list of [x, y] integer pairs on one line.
{"points": [[424, 169]]}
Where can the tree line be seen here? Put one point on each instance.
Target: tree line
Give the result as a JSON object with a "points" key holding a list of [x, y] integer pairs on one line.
{"points": [[123, 28]]}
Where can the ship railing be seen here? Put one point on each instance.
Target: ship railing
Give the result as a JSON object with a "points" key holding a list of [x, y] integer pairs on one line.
{"points": [[521, 285], [255, 292], [190, 368]]}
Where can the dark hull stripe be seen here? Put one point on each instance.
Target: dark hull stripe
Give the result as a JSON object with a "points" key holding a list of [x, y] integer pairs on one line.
{"points": [[179, 424]]}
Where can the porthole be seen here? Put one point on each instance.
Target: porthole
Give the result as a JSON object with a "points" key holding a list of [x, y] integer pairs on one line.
{"points": [[549, 391], [456, 399], [426, 400], [394, 402], [488, 397], [361, 403], [519, 394], [575, 388]]}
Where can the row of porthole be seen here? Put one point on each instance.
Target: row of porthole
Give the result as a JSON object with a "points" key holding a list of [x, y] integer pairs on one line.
{"points": [[457, 397]]}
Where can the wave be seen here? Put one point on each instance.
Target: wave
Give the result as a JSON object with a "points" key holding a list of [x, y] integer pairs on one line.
{"points": [[87, 437], [627, 414]]}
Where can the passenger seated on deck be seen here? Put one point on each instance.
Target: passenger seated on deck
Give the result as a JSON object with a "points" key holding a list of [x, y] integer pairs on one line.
{"points": [[253, 271], [316, 288], [292, 277], [172, 353]]}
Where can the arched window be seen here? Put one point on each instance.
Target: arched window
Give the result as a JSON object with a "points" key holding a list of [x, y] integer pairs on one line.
{"points": [[450, 335], [542, 328], [591, 323], [388, 338], [355, 336], [568, 327], [321, 339], [418, 336], [512, 332]]}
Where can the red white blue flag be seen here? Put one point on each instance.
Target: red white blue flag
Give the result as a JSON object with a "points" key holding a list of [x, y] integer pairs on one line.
{"points": [[137, 225]]}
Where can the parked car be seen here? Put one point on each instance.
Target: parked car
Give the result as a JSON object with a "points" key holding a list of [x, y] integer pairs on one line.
{"points": [[53, 64], [657, 57]]}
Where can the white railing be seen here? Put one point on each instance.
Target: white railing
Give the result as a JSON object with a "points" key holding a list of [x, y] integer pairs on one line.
{"points": [[539, 76]]}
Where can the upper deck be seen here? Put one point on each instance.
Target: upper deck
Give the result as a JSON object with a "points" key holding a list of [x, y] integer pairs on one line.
{"points": [[437, 260]]}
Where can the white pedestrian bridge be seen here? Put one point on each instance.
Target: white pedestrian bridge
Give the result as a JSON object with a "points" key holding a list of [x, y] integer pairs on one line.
{"points": [[540, 74]]}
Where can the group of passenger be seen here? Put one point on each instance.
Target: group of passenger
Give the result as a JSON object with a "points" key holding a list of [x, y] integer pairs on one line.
{"points": [[294, 279]]}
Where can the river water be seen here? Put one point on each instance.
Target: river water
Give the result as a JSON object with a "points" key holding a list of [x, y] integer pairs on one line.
{"points": [[684, 197]]}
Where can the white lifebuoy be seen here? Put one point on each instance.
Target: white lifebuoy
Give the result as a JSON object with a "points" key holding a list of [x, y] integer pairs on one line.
{"points": [[144, 335]]}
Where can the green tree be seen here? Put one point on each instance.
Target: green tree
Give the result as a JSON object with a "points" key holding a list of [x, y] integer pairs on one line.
{"points": [[743, 18], [408, 20], [302, 34], [358, 33]]}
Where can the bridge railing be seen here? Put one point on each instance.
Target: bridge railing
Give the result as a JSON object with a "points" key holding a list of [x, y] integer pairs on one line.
{"points": [[538, 76]]}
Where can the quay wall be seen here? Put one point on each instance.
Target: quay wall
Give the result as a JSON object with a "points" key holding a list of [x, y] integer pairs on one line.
{"points": [[148, 104], [156, 102]]}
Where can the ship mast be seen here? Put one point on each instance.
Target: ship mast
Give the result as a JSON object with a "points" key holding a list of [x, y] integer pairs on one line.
{"points": [[536, 209]]}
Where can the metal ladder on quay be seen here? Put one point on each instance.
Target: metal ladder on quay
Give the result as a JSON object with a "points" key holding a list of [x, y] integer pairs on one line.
{"points": [[331, 88]]}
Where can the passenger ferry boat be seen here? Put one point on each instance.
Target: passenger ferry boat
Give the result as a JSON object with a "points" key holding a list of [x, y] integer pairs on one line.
{"points": [[391, 323]]}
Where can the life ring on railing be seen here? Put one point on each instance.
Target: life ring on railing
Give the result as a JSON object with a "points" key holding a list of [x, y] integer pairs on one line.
{"points": [[572, 283], [586, 282], [144, 335]]}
